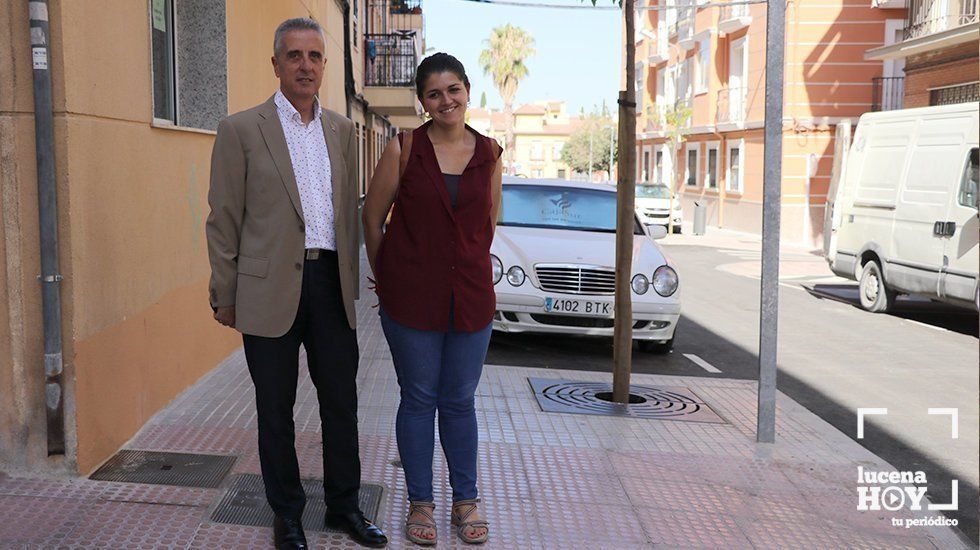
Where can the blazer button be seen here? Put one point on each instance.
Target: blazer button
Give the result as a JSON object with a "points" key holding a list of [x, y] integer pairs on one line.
{"points": [[299, 266]]}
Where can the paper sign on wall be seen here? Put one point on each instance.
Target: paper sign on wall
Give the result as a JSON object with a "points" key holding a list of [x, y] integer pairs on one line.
{"points": [[160, 15], [40, 57]]}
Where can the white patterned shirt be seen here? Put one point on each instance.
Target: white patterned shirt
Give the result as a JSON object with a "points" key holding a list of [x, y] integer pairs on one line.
{"points": [[311, 168]]}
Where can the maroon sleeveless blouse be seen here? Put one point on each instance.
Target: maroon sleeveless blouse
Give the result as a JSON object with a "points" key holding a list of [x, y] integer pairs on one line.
{"points": [[432, 254]]}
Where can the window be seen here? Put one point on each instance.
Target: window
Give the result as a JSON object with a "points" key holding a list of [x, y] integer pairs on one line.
{"points": [[640, 92], [658, 166], [561, 173], [691, 175], [971, 180], [704, 65], [734, 179], [556, 150], [537, 152], [711, 174], [189, 62], [164, 93], [646, 166]]}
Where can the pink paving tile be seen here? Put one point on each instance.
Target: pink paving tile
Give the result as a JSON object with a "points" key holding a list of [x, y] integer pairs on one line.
{"points": [[186, 438], [541, 457], [660, 493], [159, 494], [37, 520], [128, 525], [75, 488], [587, 525], [682, 528], [558, 486], [218, 535]]}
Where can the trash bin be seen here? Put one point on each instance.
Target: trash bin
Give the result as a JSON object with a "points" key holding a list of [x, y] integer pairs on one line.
{"points": [[700, 218]]}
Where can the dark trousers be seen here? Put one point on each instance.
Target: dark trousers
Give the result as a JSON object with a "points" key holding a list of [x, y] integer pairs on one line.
{"points": [[332, 355]]}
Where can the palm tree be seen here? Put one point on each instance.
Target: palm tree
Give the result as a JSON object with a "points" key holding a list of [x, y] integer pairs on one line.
{"points": [[503, 59]]}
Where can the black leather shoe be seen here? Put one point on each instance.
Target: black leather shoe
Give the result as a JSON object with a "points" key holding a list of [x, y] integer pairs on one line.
{"points": [[288, 534], [358, 527]]}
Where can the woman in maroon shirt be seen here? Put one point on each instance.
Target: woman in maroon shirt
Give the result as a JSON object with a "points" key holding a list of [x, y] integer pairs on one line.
{"points": [[435, 285]]}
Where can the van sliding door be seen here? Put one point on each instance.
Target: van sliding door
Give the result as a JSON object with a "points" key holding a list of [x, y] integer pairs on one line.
{"points": [[961, 257]]}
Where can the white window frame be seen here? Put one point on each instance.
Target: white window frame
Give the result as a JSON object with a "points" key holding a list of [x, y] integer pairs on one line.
{"points": [[646, 159], [556, 148], [171, 19], [640, 85], [537, 150], [659, 173], [712, 146], [740, 145], [704, 65], [696, 147]]}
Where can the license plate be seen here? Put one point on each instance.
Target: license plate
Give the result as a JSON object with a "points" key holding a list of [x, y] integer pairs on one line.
{"points": [[580, 307]]}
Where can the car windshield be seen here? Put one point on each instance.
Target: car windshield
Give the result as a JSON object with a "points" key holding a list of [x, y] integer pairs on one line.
{"points": [[652, 192], [553, 207]]}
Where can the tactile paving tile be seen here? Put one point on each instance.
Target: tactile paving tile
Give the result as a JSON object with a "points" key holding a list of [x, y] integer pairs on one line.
{"points": [[588, 525], [687, 529], [165, 468], [130, 525], [159, 494], [245, 503], [37, 520]]}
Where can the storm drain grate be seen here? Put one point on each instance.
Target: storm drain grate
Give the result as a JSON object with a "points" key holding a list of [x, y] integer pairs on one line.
{"points": [[665, 403], [245, 504], [161, 468]]}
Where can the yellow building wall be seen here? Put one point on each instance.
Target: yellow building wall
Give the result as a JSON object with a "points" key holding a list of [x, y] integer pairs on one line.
{"points": [[132, 203]]}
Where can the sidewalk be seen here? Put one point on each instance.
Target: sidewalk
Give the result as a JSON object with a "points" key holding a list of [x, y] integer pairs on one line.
{"points": [[548, 480]]}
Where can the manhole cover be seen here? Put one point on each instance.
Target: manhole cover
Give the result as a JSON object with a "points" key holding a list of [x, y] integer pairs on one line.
{"points": [[245, 504], [664, 403], [160, 468]]}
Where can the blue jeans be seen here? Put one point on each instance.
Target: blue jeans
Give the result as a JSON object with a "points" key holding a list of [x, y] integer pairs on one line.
{"points": [[437, 371]]}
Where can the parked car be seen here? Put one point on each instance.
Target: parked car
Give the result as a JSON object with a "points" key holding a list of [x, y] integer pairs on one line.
{"points": [[554, 257], [653, 206], [904, 217]]}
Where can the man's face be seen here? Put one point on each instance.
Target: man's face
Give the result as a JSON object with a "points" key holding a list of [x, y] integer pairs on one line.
{"points": [[299, 64]]}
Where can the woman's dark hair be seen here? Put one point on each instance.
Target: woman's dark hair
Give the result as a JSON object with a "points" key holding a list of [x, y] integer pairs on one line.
{"points": [[438, 63]]}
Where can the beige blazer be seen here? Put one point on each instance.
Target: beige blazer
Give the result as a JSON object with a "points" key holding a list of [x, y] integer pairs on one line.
{"points": [[256, 229]]}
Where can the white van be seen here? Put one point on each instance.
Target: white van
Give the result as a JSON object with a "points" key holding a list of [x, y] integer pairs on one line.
{"points": [[902, 208]]}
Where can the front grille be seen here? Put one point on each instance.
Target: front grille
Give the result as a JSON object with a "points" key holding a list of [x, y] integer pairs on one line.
{"points": [[570, 279], [570, 321]]}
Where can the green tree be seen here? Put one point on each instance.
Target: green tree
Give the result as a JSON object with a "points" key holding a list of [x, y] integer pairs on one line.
{"points": [[483, 100], [598, 132], [503, 59]]}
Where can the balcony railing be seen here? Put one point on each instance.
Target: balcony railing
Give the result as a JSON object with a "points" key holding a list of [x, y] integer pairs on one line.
{"points": [[731, 105], [386, 16], [887, 93], [732, 11], [925, 17], [390, 59]]}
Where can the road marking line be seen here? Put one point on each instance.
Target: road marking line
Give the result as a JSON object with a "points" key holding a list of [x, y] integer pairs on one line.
{"points": [[701, 363]]}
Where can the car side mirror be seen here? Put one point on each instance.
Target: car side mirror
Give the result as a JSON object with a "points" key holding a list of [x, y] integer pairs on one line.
{"points": [[657, 231]]}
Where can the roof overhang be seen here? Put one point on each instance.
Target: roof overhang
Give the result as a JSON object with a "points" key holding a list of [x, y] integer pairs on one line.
{"points": [[944, 39]]}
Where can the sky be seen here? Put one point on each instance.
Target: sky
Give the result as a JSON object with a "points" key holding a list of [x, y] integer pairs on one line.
{"points": [[578, 51]]}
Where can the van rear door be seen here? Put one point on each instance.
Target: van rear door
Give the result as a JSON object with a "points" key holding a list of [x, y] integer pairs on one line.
{"points": [[934, 167], [961, 256]]}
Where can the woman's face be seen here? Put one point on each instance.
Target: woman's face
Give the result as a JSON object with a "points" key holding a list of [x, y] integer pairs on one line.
{"points": [[445, 97]]}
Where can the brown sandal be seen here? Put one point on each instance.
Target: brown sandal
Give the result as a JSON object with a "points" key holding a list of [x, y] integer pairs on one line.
{"points": [[424, 509], [462, 524]]}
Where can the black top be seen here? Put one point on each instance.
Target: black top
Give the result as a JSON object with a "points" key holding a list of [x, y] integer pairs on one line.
{"points": [[452, 186]]}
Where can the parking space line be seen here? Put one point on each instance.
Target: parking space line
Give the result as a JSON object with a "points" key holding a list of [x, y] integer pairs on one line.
{"points": [[701, 363]]}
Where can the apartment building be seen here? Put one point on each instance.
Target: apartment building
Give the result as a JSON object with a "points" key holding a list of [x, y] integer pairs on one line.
{"points": [[930, 54], [540, 132], [139, 87], [700, 78]]}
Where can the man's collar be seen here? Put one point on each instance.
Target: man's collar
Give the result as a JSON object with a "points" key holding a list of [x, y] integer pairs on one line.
{"points": [[287, 108]]}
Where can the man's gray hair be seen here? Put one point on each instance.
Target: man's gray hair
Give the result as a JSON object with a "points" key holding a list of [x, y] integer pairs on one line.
{"points": [[295, 24]]}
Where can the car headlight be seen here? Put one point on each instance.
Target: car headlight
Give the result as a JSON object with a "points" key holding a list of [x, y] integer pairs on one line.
{"points": [[665, 280], [515, 276], [498, 268], [640, 283]]}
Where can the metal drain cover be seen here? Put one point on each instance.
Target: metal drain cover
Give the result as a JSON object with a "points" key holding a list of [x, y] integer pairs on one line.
{"points": [[159, 468], [245, 504], [663, 403]]}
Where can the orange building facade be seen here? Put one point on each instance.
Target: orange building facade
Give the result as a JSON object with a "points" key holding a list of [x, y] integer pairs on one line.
{"points": [[700, 76]]}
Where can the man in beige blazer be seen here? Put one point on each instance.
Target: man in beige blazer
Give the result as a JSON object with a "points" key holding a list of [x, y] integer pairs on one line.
{"points": [[283, 244]]}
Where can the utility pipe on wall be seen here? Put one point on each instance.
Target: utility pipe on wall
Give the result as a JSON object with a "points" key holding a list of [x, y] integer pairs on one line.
{"points": [[50, 277]]}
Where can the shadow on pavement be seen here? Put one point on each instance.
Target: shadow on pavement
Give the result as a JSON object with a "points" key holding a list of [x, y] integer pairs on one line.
{"points": [[937, 314], [595, 354]]}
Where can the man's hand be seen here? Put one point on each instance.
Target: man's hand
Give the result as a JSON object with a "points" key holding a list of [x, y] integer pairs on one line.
{"points": [[225, 316]]}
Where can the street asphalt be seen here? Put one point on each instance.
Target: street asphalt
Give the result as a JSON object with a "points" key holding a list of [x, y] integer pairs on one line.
{"points": [[833, 357]]}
